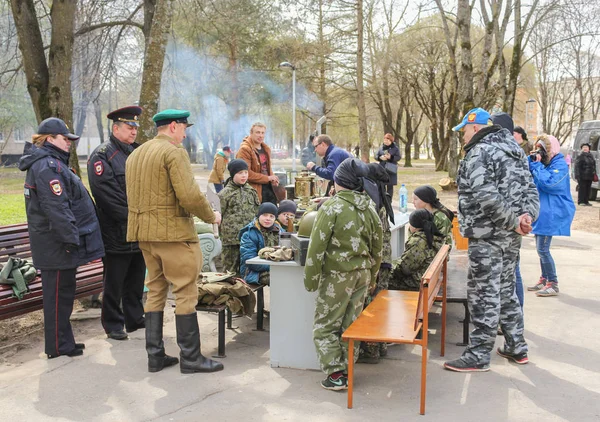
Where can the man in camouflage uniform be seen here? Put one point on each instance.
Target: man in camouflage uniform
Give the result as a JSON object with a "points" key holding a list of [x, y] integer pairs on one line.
{"points": [[239, 203], [342, 262], [371, 352], [497, 202]]}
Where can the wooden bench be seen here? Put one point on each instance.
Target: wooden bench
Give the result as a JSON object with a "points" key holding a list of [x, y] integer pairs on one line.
{"points": [[397, 316], [14, 242]]}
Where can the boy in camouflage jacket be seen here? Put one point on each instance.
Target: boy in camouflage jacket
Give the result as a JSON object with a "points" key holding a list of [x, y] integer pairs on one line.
{"points": [[342, 262], [239, 203]]}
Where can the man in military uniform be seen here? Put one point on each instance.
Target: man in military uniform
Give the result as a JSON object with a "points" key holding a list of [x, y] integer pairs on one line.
{"points": [[163, 196], [497, 203], [124, 268], [342, 262]]}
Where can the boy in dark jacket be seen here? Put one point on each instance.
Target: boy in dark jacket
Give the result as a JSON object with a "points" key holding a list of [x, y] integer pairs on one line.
{"points": [[239, 202], [262, 232]]}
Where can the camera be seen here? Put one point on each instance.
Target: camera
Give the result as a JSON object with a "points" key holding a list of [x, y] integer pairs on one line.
{"points": [[542, 152]]}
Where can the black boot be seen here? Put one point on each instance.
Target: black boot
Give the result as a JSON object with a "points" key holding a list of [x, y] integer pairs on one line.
{"points": [[188, 339], [157, 359]]}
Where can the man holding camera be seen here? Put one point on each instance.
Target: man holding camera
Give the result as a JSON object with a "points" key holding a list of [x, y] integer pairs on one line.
{"points": [[497, 203]]}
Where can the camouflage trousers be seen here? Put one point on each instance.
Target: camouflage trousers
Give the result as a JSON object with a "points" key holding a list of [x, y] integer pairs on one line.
{"points": [[376, 350], [230, 258], [340, 299], [492, 298]]}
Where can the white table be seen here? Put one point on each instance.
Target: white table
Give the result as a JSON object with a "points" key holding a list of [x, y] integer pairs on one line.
{"points": [[292, 311], [398, 233]]}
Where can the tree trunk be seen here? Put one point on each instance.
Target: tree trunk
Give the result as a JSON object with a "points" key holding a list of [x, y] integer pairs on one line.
{"points": [[156, 45], [98, 116], [360, 91], [33, 56]]}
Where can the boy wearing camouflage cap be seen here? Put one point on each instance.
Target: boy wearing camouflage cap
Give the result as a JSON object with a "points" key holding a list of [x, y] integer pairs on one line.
{"points": [[239, 203], [342, 262]]}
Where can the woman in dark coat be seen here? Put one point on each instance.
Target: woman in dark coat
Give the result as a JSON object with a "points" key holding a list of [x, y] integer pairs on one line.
{"points": [[63, 229], [585, 169], [389, 153]]}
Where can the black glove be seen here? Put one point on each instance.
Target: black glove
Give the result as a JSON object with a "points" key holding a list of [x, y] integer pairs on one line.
{"points": [[71, 247]]}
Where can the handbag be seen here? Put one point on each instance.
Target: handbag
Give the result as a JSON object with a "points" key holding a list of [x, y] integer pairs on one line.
{"points": [[595, 179], [391, 168]]}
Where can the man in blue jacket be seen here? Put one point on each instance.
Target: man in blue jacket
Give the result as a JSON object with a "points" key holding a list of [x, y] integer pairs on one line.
{"points": [[333, 157]]}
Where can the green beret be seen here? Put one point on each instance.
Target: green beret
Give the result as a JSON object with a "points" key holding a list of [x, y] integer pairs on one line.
{"points": [[170, 115]]}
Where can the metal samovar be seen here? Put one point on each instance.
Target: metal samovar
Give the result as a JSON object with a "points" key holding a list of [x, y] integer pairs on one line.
{"points": [[304, 187]]}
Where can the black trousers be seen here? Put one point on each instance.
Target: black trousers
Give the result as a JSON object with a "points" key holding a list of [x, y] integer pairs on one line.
{"points": [[58, 292], [583, 195], [268, 195], [123, 285]]}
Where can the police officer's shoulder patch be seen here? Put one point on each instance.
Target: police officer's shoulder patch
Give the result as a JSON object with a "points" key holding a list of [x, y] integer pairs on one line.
{"points": [[56, 187], [98, 168]]}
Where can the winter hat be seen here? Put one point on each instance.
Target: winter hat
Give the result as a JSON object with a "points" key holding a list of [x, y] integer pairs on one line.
{"points": [[349, 174], [504, 120], [267, 208], [549, 143], [520, 130], [235, 166], [287, 205], [227, 148]]}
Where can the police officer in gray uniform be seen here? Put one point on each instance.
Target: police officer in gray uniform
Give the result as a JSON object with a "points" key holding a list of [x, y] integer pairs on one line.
{"points": [[497, 201], [124, 267]]}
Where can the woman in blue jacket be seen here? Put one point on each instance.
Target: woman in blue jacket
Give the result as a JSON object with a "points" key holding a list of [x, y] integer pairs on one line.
{"points": [[551, 177]]}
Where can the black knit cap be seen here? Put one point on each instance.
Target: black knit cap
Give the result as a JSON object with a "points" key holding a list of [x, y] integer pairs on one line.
{"points": [[520, 130], [235, 166], [504, 120], [267, 208], [287, 206]]}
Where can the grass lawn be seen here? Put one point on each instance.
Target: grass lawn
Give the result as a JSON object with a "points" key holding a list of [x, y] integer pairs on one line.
{"points": [[12, 208]]}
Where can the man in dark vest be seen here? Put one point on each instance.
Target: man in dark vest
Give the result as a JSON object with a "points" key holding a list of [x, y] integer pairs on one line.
{"points": [[124, 268]]}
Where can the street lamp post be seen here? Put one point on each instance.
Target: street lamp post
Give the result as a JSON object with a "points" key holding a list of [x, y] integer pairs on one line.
{"points": [[529, 101], [291, 66]]}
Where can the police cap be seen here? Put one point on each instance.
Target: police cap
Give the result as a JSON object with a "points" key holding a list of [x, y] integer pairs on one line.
{"points": [[129, 115], [170, 115]]}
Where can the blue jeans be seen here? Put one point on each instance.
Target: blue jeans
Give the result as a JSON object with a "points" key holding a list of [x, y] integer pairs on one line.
{"points": [[542, 244], [519, 283]]}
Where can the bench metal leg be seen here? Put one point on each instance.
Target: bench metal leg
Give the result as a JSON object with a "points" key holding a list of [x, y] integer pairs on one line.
{"points": [[260, 309], [221, 348], [350, 371], [229, 318], [465, 322]]}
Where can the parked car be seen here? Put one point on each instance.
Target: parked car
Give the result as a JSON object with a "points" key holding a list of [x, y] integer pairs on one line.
{"points": [[588, 132], [279, 153]]}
